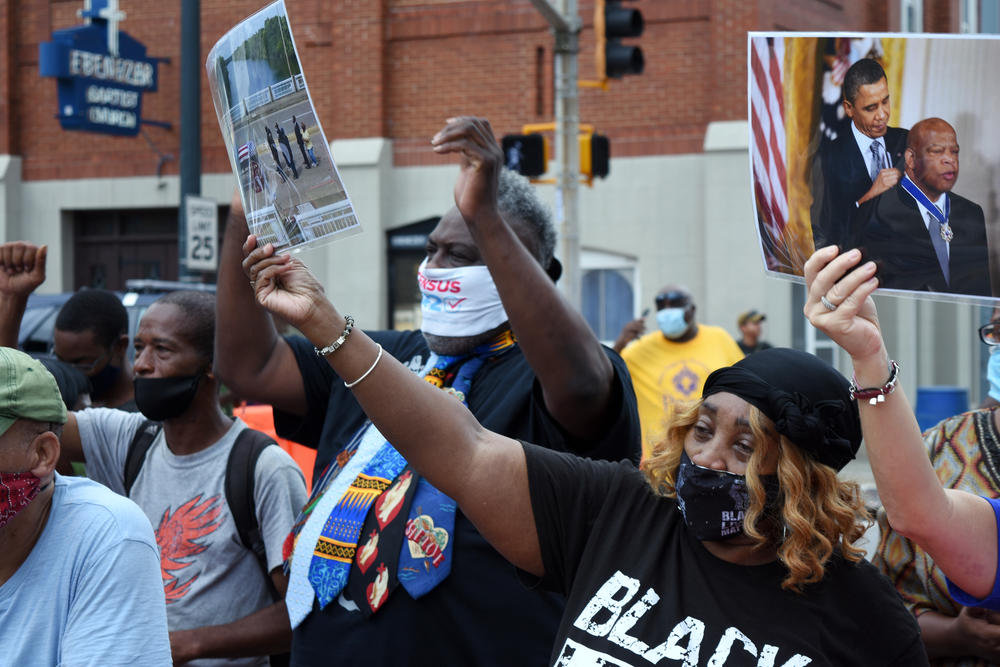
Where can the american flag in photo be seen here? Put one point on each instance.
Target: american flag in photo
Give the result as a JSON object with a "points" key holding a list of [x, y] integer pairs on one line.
{"points": [[767, 111], [245, 151]]}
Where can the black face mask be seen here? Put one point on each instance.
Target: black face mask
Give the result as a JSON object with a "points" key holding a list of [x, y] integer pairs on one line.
{"points": [[165, 398], [102, 381], [714, 502]]}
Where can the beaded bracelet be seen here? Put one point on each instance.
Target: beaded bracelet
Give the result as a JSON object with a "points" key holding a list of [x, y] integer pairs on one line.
{"points": [[875, 395], [335, 345]]}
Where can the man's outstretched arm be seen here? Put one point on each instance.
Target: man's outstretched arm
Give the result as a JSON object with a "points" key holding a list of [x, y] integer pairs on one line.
{"points": [[575, 373], [480, 469]]}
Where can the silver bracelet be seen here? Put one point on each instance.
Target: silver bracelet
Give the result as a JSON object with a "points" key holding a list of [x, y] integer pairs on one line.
{"points": [[378, 358], [335, 345], [876, 395]]}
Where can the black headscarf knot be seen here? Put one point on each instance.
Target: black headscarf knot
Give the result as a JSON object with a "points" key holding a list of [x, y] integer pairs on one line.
{"points": [[810, 425], [806, 398]]}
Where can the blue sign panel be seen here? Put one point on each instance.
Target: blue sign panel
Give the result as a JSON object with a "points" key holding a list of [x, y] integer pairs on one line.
{"points": [[101, 74]]}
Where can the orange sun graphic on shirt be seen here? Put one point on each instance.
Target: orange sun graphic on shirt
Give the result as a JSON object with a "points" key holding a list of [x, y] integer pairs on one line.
{"points": [[177, 537]]}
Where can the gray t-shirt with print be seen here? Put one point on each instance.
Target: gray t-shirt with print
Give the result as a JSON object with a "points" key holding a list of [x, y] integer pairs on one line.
{"points": [[209, 577]]}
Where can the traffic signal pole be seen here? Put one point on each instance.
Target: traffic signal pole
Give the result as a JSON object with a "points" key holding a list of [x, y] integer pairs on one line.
{"points": [[190, 164], [566, 25]]}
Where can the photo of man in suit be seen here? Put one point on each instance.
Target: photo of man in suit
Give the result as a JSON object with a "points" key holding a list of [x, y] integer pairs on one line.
{"points": [[860, 164], [921, 235]]}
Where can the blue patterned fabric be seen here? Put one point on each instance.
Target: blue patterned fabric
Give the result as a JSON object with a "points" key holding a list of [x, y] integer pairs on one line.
{"points": [[338, 541], [425, 557]]}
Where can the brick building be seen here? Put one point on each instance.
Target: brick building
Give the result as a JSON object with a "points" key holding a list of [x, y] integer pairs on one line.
{"points": [[383, 75]]}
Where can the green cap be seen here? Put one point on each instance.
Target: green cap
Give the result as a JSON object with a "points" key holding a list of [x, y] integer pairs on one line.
{"points": [[27, 391]]}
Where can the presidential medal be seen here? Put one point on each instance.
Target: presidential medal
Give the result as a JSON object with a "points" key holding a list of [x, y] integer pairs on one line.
{"points": [[946, 233]]}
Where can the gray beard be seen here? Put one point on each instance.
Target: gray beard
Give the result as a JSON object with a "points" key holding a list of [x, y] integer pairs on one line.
{"points": [[454, 346]]}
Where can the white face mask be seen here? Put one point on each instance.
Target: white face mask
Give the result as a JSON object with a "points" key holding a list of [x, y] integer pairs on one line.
{"points": [[459, 302]]}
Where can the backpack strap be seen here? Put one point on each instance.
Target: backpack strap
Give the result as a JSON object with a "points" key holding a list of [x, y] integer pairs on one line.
{"points": [[136, 454], [240, 489]]}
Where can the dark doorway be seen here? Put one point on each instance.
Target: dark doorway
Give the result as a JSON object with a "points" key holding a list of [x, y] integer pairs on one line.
{"points": [[112, 246], [406, 249]]}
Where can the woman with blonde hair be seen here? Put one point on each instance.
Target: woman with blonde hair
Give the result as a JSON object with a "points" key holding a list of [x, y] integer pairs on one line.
{"points": [[801, 513]]}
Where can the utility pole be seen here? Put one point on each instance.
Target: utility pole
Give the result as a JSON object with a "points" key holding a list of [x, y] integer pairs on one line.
{"points": [[190, 164], [565, 23]]}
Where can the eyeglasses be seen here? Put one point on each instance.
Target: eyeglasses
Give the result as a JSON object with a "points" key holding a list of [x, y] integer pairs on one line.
{"points": [[989, 333]]}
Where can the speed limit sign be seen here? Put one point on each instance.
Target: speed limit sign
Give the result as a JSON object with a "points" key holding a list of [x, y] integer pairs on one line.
{"points": [[202, 233]]}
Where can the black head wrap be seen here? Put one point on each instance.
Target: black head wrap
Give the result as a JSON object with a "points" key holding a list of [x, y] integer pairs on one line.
{"points": [[806, 398]]}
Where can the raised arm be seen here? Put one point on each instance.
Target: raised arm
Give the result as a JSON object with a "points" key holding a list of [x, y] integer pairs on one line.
{"points": [[250, 357], [957, 529], [22, 270], [484, 472], [572, 368]]}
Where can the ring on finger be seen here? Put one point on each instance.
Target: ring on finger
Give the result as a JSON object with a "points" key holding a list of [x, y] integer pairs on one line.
{"points": [[829, 305]]}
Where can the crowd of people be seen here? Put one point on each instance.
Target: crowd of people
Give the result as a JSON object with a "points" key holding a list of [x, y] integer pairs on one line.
{"points": [[497, 488]]}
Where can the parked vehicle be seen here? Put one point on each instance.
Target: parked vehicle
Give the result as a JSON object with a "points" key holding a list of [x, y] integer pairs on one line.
{"points": [[36, 332]]}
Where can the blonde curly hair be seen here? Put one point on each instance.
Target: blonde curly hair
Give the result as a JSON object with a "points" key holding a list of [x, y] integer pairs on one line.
{"points": [[818, 512]]}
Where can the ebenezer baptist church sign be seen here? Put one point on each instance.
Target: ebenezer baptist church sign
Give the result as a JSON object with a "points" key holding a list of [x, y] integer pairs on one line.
{"points": [[101, 73]]}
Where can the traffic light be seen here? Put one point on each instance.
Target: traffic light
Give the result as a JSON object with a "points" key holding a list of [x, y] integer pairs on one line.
{"points": [[527, 154], [612, 22], [600, 156], [595, 155]]}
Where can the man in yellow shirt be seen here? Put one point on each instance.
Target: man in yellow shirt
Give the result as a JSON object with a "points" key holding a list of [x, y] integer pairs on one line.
{"points": [[671, 363]]}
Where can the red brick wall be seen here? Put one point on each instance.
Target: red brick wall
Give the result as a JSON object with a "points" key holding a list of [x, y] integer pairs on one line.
{"points": [[6, 75], [941, 16], [398, 68]]}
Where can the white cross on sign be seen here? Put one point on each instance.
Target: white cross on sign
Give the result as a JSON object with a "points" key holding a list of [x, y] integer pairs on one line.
{"points": [[112, 15]]}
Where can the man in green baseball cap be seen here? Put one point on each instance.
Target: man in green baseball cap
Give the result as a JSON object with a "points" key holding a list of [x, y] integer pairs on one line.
{"points": [[80, 558], [27, 391]]}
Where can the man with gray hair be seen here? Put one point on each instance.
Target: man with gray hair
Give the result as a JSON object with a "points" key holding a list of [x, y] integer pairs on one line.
{"points": [[498, 336], [79, 567]]}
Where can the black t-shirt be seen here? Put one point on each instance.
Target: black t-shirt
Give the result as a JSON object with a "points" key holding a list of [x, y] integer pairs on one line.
{"points": [[481, 614], [641, 590]]}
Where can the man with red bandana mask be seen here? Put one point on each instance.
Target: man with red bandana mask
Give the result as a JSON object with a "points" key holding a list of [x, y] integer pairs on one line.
{"points": [[79, 567], [922, 235]]}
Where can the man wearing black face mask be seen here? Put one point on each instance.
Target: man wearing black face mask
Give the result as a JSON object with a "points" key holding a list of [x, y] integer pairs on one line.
{"points": [[220, 602], [91, 328], [91, 334]]}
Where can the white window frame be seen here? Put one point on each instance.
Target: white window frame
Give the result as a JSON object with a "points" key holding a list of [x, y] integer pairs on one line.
{"points": [[968, 16], [595, 260]]}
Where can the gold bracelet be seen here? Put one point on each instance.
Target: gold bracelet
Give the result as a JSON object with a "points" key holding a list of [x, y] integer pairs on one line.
{"points": [[378, 358], [335, 345]]}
